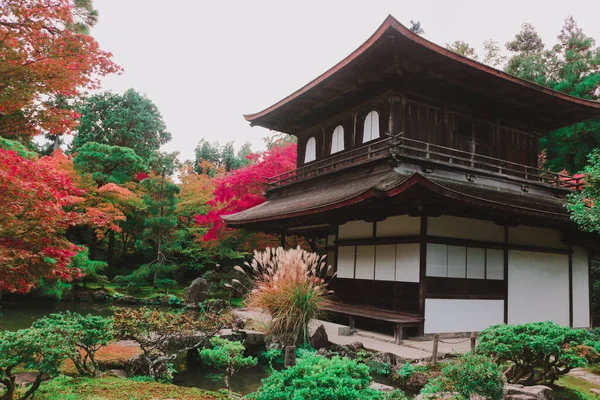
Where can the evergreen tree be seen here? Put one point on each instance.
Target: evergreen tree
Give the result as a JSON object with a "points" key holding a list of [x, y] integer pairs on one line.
{"points": [[161, 202], [129, 120]]}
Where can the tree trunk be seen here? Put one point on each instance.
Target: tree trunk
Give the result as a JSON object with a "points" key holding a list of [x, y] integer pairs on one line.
{"points": [[228, 384], [93, 246], [36, 384], [110, 251]]}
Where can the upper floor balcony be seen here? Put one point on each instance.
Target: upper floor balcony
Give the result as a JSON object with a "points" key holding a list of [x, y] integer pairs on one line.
{"points": [[399, 148]]}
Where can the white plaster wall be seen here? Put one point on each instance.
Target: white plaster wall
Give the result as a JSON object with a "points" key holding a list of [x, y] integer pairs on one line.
{"points": [[385, 262], [538, 287], [365, 262], [407, 262], [464, 228], [400, 225], [345, 262], [581, 289], [533, 236], [457, 315], [355, 230]]}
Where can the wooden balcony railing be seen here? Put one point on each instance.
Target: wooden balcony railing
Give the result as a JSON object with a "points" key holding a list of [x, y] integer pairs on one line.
{"points": [[401, 148]]}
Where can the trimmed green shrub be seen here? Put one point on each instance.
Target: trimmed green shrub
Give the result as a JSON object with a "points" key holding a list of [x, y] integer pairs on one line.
{"points": [[470, 374], [319, 378], [38, 350], [84, 335], [165, 284], [228, 357], [405, 371], [538, 352]]}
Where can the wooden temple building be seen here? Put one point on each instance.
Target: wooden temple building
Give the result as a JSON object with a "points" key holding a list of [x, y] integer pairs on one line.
{"points": [[420, 167]]}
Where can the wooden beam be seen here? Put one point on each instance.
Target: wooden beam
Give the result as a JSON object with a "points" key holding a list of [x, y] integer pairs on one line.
{"points": [[422, 272], [506, 274]]}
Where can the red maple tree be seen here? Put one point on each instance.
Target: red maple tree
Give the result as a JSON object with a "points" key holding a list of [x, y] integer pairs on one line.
{"points": [[45, 57], [243, 188], [33, 222]]}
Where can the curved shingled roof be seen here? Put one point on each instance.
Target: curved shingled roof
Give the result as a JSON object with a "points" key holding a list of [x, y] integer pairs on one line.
{"points": [[551, 108]]}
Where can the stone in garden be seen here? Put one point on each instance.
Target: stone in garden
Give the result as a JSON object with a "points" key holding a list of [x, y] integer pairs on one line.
{"points": [[344, 331], [117, 373], [381, 387], [356, 346], [385, 358], [82, 296], [319, 339], [417, 381], [99, 295], [216, 305], [197, 292], [520, 392]]}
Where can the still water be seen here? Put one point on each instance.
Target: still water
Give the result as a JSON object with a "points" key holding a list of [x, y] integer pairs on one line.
{"points": [[22, 316]]}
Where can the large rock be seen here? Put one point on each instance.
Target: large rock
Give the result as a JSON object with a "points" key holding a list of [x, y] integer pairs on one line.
{"points": [[520, 392], [99, 295], [417, 381], [117, 373], [387, 358], [319, 339], [197, 292], [356, 346], [215, 305]]}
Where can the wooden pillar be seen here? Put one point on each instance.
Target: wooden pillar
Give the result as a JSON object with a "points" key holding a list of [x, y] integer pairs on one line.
{"points": [[506, 274], [324, 151], [422, 272], [283, 239], [391, 117], [570, 286], [354, 132], [434, 352]]}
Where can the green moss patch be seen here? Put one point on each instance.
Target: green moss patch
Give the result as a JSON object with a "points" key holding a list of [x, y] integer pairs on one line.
{"points": [[572, 388], [66, 388]]}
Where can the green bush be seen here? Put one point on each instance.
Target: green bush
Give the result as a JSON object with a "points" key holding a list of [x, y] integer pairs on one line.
{"points": [[470, 374], [165, 284], [84, 335], [271, 357], [38, 350], [538, 352], [228, 357], [405, 371], [319, 378]]}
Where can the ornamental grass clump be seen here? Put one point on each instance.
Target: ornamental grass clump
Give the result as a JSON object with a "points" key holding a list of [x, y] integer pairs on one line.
{"points": [[289, 285]]}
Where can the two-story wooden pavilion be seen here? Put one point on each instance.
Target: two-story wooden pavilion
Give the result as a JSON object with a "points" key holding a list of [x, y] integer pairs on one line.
{"points": [[420, 166]]}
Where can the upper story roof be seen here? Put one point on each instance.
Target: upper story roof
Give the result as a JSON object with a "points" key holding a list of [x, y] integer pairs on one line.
{"points": [[396, 58]]}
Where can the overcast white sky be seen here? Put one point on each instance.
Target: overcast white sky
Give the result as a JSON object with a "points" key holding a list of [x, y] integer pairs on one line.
{"points": [[205, 63]]}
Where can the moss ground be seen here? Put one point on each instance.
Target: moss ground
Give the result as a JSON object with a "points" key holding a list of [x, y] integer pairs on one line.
{"points": [[65, 388], [572, 388]]}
